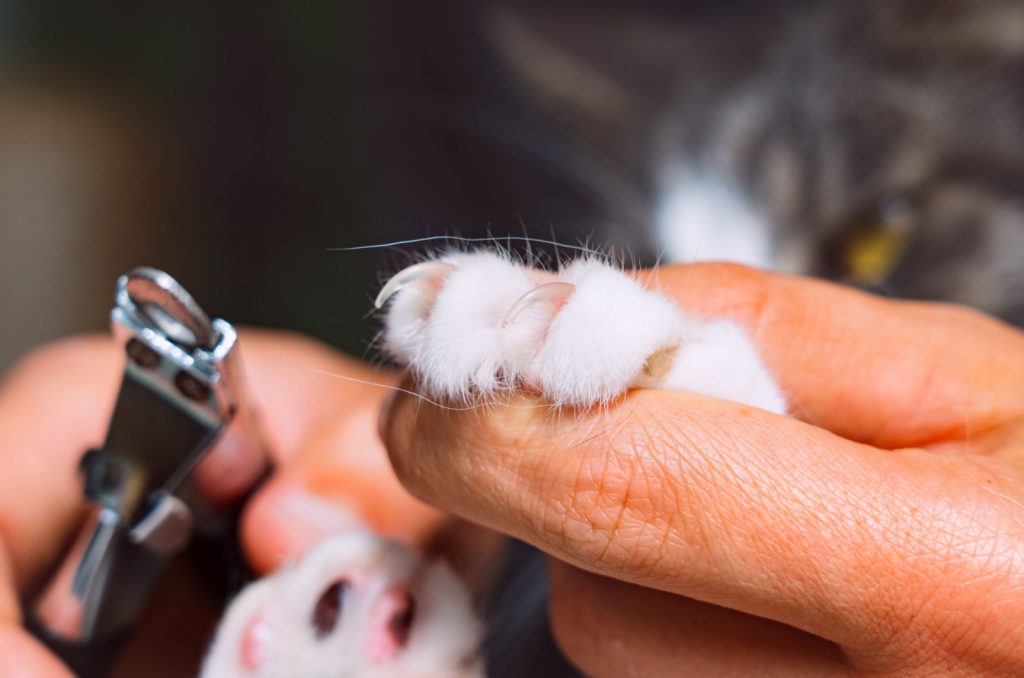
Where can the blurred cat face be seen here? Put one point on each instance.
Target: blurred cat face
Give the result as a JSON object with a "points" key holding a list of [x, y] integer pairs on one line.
{"points": [[877, 143]]}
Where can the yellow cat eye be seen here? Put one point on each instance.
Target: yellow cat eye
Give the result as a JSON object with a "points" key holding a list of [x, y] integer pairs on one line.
{"points": [[872, 255], [875, 245]]}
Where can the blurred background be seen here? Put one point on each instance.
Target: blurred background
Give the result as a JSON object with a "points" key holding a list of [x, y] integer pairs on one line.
{"points": [[238, 145], [225, 144], [878, 143], [233, 145]]}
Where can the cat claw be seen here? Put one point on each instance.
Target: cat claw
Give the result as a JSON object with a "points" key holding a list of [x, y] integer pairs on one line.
{"points": [[484, 324], [426, 276], [553, 295]]}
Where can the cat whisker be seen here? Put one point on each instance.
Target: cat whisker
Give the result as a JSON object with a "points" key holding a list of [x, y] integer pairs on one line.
{"points": [[418, 396], [463, 239]]}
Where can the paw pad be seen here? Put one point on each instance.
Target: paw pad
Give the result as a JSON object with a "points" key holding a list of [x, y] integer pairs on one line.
{"points": [[356, 605]]}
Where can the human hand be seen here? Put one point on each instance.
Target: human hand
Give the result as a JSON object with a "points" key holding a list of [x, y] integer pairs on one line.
{"points": [[333, 473], [878, 531]]}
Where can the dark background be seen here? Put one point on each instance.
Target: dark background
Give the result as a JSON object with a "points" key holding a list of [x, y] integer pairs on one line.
{"points": [[234, 144]]}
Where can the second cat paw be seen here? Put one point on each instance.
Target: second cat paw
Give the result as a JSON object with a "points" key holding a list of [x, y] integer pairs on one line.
{"points": [[356, 605]]}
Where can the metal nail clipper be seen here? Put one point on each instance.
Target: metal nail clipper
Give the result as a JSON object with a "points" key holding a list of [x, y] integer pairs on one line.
{"points": [[180, 400]]}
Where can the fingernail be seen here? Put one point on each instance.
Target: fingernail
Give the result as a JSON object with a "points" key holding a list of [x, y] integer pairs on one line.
{"points": [[385, 413]]}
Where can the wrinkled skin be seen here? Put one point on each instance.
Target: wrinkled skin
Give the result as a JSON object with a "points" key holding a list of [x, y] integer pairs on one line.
{"points": [[880, 531]]}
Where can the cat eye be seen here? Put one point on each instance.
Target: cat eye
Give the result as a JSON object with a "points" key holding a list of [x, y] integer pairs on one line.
{"points": [[874, 241], [328, 608]]}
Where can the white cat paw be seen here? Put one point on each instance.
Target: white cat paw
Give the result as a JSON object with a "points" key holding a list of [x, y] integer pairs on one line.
{"points": [[356, 605], [471, 325]]}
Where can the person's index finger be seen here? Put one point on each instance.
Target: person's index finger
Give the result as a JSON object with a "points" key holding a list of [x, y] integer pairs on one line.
{"points": [[300, 384], [890, 373]]}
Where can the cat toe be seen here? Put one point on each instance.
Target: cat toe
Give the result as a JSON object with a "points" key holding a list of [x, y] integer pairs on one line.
{"points": [[453, 338], [606, 338]]}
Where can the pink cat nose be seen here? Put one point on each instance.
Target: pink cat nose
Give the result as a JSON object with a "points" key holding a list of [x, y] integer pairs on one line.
{"points": [[391, 624]]}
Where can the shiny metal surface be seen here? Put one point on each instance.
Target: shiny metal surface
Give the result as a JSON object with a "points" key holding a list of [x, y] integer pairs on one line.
{"points": [[180, 395], [166, 306]]}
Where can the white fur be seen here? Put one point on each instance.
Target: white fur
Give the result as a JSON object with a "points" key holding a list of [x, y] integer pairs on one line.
{"points": [[717, 359], [598, 343], [465, 350], [704, 218], [588, 352], [442, 642]]}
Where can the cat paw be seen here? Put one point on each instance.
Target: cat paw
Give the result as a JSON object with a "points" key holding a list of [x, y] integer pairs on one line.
{"points": [[356, 605], [472, 325]]}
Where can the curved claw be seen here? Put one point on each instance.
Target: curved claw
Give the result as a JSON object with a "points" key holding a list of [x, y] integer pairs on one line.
{"points": [[554, 294], [418, 275]]}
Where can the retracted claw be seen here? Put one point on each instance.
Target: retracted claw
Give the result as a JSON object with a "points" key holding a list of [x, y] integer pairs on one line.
{"points": [[553, 295], [424, 275]]}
